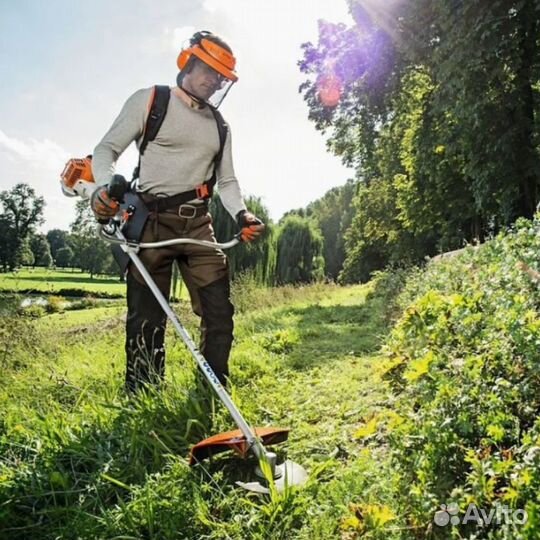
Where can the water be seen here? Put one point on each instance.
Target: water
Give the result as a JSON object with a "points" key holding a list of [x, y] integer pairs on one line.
{"points": [[33, 301], [11, 303]]}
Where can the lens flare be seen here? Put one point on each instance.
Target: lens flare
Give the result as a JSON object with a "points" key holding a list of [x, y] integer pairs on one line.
{"points": [[329, 89]]}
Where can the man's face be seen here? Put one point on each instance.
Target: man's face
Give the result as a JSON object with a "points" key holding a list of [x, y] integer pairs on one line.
{"points": [[202, 80]]}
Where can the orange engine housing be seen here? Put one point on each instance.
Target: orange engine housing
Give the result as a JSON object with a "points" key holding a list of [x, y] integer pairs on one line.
{"points": [[77, 169]]}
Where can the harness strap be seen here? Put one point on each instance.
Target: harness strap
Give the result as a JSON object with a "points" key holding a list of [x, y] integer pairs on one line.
{"points": [[156, 115]]}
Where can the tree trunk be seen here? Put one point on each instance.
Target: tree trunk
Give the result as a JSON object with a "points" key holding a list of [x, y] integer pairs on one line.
{"points": [[527, 157]]}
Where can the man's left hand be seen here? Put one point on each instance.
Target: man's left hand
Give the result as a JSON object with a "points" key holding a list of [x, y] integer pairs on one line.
{"points": [[251, 226]]}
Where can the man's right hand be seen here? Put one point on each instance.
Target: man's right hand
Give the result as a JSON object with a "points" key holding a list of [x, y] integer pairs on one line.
{"points": [[102, 205]]}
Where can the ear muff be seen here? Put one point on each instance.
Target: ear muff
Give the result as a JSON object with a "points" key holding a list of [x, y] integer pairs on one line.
{"points": [[185, 54], [183, 58]]}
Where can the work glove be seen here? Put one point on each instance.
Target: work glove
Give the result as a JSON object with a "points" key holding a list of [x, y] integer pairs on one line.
{"points": [[251, 227], [102, 205]]}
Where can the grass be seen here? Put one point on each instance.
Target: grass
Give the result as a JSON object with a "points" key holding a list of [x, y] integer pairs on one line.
{"points": [[78, 460], [60, 282], [64, 282]]}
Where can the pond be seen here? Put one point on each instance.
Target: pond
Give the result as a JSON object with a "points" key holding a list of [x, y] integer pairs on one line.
{"points": [[11, 303]]}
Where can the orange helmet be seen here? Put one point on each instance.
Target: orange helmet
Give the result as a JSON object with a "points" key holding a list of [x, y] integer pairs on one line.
{"points": [[212, 54]]}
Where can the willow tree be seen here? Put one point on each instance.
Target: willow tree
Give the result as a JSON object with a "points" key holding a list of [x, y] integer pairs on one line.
{"points": [[256, 257], [298, 252]]}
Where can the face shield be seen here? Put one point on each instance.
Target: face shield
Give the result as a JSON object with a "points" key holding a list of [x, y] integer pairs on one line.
{"points": [[204, 82], [207, 71]]}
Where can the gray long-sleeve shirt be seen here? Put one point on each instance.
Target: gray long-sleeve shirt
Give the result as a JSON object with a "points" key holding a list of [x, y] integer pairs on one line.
{"points": [[178, 159]]}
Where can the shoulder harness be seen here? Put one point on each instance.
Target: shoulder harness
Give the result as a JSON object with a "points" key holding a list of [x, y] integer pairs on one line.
{"points": [[156, 115]]}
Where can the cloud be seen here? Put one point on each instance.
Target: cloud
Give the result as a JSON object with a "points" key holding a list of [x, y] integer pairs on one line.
{"points": [[44, 154], [180, 37], [210, 6]]}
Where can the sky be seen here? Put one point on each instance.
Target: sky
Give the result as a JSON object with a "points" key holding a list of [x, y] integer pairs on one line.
{"points": [[67, 68]]}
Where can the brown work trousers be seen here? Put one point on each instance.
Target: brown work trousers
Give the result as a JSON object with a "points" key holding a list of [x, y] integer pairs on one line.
{"points": [[204, 271]]}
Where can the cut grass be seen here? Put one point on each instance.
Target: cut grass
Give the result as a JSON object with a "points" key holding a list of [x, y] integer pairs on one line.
{"points": [[79, 460]]}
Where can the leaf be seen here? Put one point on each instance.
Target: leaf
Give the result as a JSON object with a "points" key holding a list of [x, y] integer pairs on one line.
{"points": [[380, 514], [367, 429], [351, 522], [419, 367], [496, 432], [115, 481]]}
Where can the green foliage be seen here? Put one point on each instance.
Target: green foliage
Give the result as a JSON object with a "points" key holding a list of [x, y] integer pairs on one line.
{"points": [[486, 64], [57, 239], [463, 361], [438, 114], [90, 253], [25, 256], [298, 252], [376, 237], [33, 311], [79, 459], [280, 342], [64, 257], [21, 210], [41, 250], [257, 258], [332, 214], [55, 304]]}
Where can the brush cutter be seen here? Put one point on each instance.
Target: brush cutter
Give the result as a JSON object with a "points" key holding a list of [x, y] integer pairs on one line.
{"points": [[244, 441]]}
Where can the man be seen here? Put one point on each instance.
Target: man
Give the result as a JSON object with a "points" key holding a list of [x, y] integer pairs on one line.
{"points": [[191, 150]]}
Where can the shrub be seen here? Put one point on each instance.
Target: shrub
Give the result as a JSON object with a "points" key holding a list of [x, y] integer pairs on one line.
{"points": [[464, 363], [55, 304]]}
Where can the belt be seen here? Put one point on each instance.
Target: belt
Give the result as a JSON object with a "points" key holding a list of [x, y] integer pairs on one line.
{"points": [[163, 204], [190, 211]]}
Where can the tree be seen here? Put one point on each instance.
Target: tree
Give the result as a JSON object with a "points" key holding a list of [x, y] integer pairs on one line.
{"points": [[90, 253], [377, 237], [64, 257], [485, 64], [333, 214], [367, 67], [299, 252], [257, 257], [25, 255], [57, 239], [41, 250], [437, 102], [21, 210]]}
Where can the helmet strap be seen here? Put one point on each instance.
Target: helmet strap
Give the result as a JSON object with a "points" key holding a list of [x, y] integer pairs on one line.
{"points": [[179, 79]]}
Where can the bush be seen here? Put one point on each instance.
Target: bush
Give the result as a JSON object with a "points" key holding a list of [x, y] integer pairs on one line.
{"points": [[33, 311], [55, 304], [88, 302], [464, 363]]}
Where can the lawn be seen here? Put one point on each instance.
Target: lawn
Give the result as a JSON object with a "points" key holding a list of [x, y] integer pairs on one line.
{"points": [[81, 461], [66, 282]]}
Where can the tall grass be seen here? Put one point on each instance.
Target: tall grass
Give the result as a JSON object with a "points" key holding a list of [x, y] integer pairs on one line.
{"points": [[79, 459]]}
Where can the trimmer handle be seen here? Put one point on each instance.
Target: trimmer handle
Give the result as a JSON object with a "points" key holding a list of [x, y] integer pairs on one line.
{"points": [[118, 187]]}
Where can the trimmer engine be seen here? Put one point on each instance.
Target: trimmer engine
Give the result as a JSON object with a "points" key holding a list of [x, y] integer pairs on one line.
{"points": [[77, 179]]}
